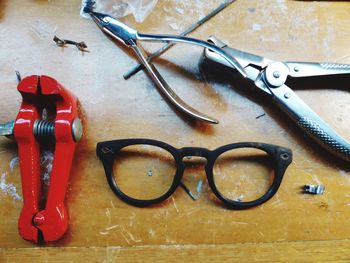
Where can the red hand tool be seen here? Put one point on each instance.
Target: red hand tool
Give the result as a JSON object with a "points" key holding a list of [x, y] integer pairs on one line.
{"points": [[38, 93]]}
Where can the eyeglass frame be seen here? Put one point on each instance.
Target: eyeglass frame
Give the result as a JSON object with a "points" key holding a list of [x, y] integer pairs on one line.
{"points": [[107, 152]]}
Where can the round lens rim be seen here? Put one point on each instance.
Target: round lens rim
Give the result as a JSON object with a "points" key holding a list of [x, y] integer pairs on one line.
{"points": [[280, 166], [143, 202]]}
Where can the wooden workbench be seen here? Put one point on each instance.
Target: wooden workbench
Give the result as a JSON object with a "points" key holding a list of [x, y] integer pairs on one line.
{"points": [[290, 227]]}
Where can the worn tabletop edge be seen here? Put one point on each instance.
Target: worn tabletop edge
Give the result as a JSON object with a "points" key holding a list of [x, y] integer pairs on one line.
{"points": [[305, 251]]}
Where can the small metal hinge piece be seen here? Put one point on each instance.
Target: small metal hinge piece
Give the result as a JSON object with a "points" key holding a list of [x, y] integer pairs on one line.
{"points": [[314, 189]]}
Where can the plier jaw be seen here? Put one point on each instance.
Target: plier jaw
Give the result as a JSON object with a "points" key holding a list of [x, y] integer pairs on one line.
{"points": [[115, 28], [51, 222]]}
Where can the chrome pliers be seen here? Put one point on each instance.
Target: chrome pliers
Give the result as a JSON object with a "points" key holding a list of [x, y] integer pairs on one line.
{"points": [[130, 37], [270, 77]]}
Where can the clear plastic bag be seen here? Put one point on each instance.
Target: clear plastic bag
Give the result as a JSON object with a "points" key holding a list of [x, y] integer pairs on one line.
{"points": [[120, 8]]}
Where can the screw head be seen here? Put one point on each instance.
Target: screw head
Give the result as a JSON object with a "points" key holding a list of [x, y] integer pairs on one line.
{"points": [[38, 219], [287, 95], [276, 74], [77, 129]]}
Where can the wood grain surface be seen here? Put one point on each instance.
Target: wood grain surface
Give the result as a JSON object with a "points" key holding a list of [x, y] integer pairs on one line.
{"points": [[290, 227]]}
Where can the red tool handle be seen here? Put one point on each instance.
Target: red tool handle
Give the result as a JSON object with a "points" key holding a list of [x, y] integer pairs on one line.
{"points": [[29, 157]]}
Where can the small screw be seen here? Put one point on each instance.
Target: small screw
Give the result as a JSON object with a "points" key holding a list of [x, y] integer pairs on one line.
{"points": [[276, 74], [287, 95], [296, 69]]}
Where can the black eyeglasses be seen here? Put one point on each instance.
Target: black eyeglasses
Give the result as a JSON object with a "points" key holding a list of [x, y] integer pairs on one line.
{"points": [[144, 172]]}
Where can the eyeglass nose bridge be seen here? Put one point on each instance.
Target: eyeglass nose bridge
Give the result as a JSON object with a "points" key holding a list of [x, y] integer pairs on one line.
{"points": [[194, 152]]}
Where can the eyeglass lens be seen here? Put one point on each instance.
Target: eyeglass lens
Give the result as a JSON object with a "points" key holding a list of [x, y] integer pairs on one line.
{"points": [[243, 174], [147, 172], [144, 172]]}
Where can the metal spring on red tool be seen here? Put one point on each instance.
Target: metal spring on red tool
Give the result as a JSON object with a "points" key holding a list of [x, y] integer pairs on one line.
{"points": [[45, 129]]}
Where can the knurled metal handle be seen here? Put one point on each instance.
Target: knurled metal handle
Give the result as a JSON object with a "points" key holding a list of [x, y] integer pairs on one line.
{"points": [[308, 69], [335, 66], [332, 142], [311, 123]]}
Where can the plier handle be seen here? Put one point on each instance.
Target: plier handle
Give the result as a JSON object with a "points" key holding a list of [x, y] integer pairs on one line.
{"points": [[39, 92], [270, 77]]}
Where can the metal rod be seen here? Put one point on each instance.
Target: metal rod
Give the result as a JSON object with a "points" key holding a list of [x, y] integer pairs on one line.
{"points": [[18, 75], [188, 191], [190, 29]]}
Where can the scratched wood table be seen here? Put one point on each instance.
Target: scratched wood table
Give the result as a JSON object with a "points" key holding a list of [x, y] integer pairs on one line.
{"points": [[290, 227]]}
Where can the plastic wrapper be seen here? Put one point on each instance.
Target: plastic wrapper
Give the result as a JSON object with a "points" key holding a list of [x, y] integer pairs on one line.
{"points": [[120, 8]]}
